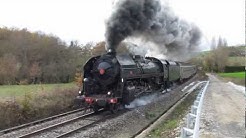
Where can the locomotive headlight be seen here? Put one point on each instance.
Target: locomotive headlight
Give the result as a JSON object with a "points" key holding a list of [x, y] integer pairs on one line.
{"points": [[86, 79], [110, 50], [109, 93]]}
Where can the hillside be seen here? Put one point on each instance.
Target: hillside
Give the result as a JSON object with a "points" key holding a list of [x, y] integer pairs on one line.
{"points": [[217, 59], [34, 57]]}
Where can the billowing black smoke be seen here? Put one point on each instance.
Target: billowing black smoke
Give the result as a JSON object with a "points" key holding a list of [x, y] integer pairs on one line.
{"points": [[130, 16], [150, 21]]}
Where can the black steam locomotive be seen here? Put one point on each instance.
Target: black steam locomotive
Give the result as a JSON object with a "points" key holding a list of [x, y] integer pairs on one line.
{"points": [[112, 80]]}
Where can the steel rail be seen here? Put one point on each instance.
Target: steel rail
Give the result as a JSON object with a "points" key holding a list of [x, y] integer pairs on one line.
{"points": [[56, 125], [40, 121], [85, 127], [66, 134]]}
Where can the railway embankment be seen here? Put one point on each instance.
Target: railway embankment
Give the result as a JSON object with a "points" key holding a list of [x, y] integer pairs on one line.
{"points": [[222, 114], [135, 120]]}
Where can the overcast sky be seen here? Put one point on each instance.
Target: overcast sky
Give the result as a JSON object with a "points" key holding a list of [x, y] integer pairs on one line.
{"points": [[84, 20]]}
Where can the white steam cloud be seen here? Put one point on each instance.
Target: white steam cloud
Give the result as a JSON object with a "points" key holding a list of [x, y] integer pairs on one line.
{"points": [[142, 101]]}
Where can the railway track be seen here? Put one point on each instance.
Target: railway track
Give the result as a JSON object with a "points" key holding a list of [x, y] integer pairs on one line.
{"points": [[81, 128], [82, 121], [40, 121], [43, 125], [66, 127]]}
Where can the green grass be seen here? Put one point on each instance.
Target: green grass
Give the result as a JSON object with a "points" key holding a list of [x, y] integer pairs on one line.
{"points": [[21, 90], [167, 127], [25, 107], [240, 75]]}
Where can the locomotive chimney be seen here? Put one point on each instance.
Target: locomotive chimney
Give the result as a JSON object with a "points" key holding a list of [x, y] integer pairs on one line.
{"points": [[110, 50]]}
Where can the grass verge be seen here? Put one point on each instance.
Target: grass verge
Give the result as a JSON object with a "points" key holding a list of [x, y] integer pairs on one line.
{"points": [[240, 75], [235, 77], [7, 91], [30, 107], [167, 128]]}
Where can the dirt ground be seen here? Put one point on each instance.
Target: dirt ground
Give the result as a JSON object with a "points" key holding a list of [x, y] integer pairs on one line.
{"points": [[223, 111]]}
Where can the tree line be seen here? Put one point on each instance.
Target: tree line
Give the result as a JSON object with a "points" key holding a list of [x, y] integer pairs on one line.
{"points": [[27, 58], [34, 57], [216, 60]]}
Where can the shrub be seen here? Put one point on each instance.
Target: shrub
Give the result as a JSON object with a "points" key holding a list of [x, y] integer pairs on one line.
{"points": [[32, 107], [234, 68]]}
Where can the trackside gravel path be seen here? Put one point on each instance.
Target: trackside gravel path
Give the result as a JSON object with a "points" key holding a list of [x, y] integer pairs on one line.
{"points": [[223, 111]]}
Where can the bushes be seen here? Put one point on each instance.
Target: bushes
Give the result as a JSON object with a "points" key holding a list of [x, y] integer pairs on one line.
{"points": [[234, 68], [33, 57], [32, 107], [10, 114]]}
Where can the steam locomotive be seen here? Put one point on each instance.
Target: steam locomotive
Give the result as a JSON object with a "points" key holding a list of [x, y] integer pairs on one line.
{"points": [[111, 80]]}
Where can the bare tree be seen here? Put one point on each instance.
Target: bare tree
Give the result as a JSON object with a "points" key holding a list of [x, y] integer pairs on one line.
{"points": [[9, 69], [220, 42], [35, 72], [225, 42], [213, 44], [221, 55]]}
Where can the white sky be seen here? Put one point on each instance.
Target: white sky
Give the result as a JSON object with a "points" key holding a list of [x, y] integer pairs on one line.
{"points": [[84, 20]]}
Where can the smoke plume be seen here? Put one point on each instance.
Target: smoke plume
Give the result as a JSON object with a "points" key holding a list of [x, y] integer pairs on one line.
{"points": [[151, 21]]}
